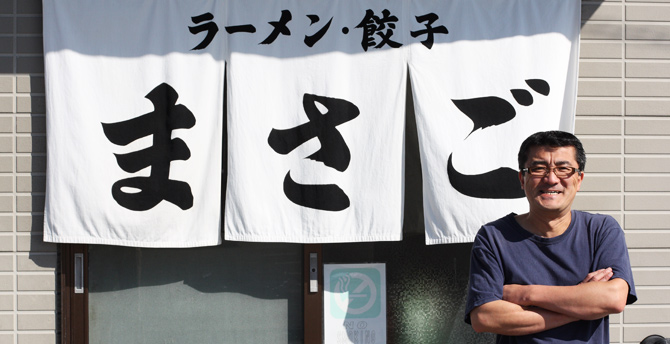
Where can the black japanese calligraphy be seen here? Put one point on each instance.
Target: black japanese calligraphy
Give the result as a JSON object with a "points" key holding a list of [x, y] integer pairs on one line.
{"points": [[311, 40], [377, 30], [279, 27], [484, 112], [429, 31], [334, 151], [144, 193], [248, 28], [383, 27], [323, 197], [210, 27]]}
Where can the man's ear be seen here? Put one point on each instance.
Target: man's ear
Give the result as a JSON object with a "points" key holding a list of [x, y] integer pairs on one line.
{"points": [[521, 179]]}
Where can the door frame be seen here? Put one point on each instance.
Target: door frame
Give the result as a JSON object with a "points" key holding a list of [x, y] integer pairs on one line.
{"points": [[74, 306]]}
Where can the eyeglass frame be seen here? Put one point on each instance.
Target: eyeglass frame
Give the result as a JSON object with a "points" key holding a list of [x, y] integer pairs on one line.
{"points": [[552, 170]]}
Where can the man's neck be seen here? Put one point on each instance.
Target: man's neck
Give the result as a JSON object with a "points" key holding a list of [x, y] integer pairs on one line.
{"points": [[545, 225]]}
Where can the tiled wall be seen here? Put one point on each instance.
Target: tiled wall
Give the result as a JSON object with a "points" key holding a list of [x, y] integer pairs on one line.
{"points": [[623, 117], [28, 296]]}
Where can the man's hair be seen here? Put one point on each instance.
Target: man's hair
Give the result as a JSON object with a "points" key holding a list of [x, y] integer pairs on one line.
{"points": [[552, 139]]}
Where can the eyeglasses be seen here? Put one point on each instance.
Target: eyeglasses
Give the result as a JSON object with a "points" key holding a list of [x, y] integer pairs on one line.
{"points": [[561, 172]]}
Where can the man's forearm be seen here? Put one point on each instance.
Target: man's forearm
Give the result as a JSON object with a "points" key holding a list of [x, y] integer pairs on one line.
{"points": [[586, 301], [506, 318]]}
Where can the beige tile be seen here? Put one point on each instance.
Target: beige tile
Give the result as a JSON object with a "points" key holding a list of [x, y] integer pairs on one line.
{"points": [[588, 202], [29, 83], [6, 83], [37, 338], [648, 69], [636, 334], [6, 144], [647, 31], [35, 183], [647, 202], [6, 184], [647, 88], [607, 164], [36, 262], [601, 183], [600, 11], [648, 50], [6, 204], [591, 30], [647, 183], [26, 203], [647, 221], [6, 124], [651, 277], [652, 164], [36, 321], [6, 104], [31, 164], [33, 242], [31, 144], [652, 296], [604, 126], [649, 258], [6, 223], [6, 302], [45, 282], [6, 282], [602, 145], [6, 338], [34, 124], [641, 315], [28, 223], [647, 126], [600, 69], [36, 302], [6, 322], [635, 145], [6, 164], [615, 332], [648, 13], [599, 107], [6, 245], [599, 88], [600, 50], [6, 260]]}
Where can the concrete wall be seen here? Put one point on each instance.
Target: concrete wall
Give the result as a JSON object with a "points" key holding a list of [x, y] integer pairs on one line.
{"points": [[623, 117]]}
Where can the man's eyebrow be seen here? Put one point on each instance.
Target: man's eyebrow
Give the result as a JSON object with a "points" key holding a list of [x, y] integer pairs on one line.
{"points": [[542, 162], [538, 162]]}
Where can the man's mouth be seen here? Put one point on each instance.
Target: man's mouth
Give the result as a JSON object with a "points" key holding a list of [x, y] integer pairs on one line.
{"points": [[551, 192]]}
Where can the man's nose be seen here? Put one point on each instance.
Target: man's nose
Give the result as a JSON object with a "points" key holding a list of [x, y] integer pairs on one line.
{"points": [[551, 177]]}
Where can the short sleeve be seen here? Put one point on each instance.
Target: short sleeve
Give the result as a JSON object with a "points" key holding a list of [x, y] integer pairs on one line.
{"points": [[486, 275], [611, 251]]}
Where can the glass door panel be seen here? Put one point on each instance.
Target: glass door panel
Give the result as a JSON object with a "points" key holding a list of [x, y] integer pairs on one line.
{"points": [[426, 288], [234, 293]]}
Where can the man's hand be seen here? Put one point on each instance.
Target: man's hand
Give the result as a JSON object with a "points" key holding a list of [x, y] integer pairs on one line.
{"points": [[602, 275], [595, 297], [520, 294]]}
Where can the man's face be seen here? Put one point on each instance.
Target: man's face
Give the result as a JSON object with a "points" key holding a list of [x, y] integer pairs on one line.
{"points": [[550, 194]]}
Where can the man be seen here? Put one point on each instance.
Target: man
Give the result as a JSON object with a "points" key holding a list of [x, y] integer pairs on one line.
{"points": [[552, 275]]}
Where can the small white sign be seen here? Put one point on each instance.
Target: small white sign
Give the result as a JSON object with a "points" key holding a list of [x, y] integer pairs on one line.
{"points": [[354, 303]]}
